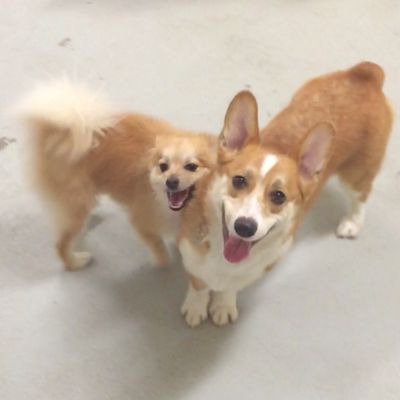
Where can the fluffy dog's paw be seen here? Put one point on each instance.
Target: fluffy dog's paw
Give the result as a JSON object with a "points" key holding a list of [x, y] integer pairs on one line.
{"points": [[79, 260], [223, 309], [348, 228], [194, 308]]}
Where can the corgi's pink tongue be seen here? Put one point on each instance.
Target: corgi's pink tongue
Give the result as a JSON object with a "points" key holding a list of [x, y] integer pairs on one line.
{"points": [[235, 249]]}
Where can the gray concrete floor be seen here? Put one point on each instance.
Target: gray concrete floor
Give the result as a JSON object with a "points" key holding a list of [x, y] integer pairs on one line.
{"points": [[325, 324]]}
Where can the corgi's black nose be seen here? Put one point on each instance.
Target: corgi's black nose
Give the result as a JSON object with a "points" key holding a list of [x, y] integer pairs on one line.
{"points": [[172, 183], [245, 227]]}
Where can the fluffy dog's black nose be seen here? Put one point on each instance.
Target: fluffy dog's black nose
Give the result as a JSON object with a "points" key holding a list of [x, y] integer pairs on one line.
{"points": [[172, 183], [245, 227]]}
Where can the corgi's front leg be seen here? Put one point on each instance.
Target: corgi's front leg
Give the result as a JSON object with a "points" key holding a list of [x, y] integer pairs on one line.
{"points": [[223, 307], [195, 306]]}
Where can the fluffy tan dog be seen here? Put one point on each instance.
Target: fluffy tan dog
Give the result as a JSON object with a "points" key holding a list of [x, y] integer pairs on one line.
{"points": [[82, 148]]}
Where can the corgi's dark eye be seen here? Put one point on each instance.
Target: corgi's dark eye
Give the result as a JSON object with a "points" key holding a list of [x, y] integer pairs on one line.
{"points": [[192, 167], [163, 167], [239, 182], [277, 197]]}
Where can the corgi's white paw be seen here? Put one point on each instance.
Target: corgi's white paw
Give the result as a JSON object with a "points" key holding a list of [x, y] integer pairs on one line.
{"points": [[79, 260], [352, 223], [349, 228], [223, 314], [194, 314], [223, 309], [194, 308]]}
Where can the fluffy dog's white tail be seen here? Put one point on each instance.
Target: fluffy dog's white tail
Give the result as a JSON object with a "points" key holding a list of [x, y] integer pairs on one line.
{"points": [[71, 117]]}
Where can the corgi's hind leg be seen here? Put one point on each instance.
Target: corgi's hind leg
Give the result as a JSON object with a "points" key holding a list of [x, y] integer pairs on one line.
{"points": [[71, 219], [359, 173], [357, 178], [351, 224]]}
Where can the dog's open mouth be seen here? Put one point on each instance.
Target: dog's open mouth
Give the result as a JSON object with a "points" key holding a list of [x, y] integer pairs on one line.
{"points": [[177, 200], [236, 249]]}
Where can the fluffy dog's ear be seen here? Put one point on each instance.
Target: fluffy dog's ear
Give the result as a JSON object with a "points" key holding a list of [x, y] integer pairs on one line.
{"points": [[241, 123], [152, 157], [154, 154], [315, 151]]}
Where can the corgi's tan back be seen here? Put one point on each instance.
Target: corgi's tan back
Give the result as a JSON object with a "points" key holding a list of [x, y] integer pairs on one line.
{"points": [[354, 103]]}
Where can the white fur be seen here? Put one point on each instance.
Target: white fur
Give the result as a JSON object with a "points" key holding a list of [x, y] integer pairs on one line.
{"points": [[80, 259], [194, 308], [74, 110], [219, 274], [223, 308], [269, 162], [351, 225]]}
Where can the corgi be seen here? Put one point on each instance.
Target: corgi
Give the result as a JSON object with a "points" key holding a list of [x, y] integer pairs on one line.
{"points": [[82, 148], [245, 214]]}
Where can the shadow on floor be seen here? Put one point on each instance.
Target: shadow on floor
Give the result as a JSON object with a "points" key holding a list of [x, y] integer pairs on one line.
{"points": [[325, 214], [168, 358]]}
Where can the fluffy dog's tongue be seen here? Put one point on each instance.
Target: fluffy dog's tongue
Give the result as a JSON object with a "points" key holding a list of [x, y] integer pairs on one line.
{"points": [[235, 249], [176, 199]]}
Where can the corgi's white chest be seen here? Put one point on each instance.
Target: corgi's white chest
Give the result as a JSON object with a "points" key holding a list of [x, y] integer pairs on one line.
{"points": [[220, 275]]}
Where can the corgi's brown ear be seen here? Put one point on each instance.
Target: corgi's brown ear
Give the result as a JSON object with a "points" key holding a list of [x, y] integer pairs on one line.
{"points": [[315, 151], [241, 122]]}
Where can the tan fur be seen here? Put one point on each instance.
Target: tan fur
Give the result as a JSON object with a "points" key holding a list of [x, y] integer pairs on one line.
{"points": [[119, 166], [344, 117], [354, 103]]}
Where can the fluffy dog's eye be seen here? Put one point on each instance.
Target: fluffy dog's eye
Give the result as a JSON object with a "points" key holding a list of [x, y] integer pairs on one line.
{"points": [[192, 167], [239, 182], [163, 167], [277, 197]]}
